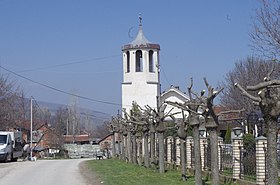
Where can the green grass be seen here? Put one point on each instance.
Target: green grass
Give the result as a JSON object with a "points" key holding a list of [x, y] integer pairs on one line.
{"points": [[117, 172]]}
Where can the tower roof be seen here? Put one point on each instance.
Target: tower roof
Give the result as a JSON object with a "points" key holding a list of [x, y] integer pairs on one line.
{"points": [[140, 40]]}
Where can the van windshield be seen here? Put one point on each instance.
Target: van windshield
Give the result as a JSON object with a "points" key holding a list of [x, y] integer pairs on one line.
{"points": [[3, 139]]}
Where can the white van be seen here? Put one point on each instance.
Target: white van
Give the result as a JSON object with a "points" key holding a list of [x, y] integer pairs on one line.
{"points": [[10, 146]]}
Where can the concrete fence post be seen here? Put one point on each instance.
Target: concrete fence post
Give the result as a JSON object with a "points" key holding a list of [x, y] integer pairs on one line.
{"points": [[178, 152], [261, 146], [189, 145], [220, 150], [237, 147], [203, 152], [169, 149]]}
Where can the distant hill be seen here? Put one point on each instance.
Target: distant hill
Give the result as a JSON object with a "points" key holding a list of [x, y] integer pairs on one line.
{"points": [[92, 117]]}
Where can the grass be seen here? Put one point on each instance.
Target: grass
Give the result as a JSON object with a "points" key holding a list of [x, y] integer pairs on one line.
{"points": [[117, 172]]}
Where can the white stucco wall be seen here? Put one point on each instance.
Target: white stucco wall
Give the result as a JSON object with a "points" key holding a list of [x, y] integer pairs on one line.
{"points": [[141, 87], [174, 95]]}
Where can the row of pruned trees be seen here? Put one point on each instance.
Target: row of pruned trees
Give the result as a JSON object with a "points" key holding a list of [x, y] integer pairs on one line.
{"points": [[147, 122]]}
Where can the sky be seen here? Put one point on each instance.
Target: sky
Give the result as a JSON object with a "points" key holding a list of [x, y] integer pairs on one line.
{"points": [[59, 47]]}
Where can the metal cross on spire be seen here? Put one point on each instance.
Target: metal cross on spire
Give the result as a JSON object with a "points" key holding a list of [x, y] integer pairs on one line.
{"points": [[140, 19]]}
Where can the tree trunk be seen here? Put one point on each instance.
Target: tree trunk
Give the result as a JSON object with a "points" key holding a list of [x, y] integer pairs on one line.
{"points": [[139, 151], [129, 148], [183, 159], [161, 151], [113, 145], [213, 136], [197, 155], [125, 151], [272, 169], [134, 149], [153, 147], [146, 151], [121, 151]]}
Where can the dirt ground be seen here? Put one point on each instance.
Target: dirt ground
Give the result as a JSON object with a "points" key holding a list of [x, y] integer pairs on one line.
{"points": [[90, 176]]}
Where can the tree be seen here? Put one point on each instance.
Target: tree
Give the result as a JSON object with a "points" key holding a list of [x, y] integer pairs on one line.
{"points": [[61, 118], [211, 124], [228, 135], [192, 107], [10, 99], [101, 130], [246, 71], [268, 99], [159, 115], [182, 127], [265, 35]]}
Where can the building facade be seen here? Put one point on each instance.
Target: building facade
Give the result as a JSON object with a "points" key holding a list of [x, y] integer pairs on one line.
{"points": [[140, 72]]}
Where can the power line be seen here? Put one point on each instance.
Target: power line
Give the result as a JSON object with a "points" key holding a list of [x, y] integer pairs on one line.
{"points": [[69, 63], [59, 90], [37, 104], [165, 75]]}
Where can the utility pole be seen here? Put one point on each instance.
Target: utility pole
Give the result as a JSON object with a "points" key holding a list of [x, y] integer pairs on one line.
{"points": [[31, 125]]}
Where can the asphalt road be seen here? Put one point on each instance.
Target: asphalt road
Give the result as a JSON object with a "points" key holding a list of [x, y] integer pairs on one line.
{"points": [[42, 172]]}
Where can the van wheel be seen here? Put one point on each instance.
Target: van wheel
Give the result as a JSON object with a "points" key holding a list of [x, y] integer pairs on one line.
{"points": [[6, 158], [13, 159]]}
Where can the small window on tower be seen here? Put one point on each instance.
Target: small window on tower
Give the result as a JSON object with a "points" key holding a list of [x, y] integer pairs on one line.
{"points": [[151, 61], [127, 62], [139, 61]]}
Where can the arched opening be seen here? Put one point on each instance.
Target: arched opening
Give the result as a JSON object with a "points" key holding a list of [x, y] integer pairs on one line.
{"points": [[151, 61], [127, 62], [139, 61]]}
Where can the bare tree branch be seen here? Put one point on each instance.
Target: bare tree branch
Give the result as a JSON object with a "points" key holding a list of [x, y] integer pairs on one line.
{"points": [[245, 93]]}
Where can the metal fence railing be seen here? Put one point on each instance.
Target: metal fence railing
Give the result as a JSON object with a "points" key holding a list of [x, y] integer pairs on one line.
{"points": [[226, 163]]}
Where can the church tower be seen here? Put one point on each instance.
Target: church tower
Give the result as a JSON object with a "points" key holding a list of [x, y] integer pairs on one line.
{"points": [[140, 72]]}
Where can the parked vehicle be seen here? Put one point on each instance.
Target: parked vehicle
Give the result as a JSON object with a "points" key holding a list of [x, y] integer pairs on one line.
{"points": [[11, 145]]}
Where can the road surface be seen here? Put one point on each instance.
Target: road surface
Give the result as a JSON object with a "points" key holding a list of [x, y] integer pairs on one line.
{"points": [[43, 172]]}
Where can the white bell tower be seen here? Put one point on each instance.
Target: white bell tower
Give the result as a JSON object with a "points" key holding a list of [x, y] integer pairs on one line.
{"points": [[140, 72]]}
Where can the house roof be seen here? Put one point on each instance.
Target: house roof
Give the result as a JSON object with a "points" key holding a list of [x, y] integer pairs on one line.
{"points": [[174, 91], [104, 138], [76, 138]]}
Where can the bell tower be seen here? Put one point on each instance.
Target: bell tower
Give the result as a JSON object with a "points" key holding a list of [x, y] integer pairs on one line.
{"points": [[140, 72]]}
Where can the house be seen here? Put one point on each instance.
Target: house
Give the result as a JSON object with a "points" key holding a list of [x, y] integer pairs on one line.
{"points": [[174, 94], [77, 139], [106, 142]]}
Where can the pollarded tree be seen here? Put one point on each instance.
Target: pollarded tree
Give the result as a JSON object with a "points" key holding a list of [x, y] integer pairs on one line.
{"points": [[268, 99], [182, 125], [143, 120], [113, 127], [159, 115], [211, 124], [192, 107], [131, 127]]}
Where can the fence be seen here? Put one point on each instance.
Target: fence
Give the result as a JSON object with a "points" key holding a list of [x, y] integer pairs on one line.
{"points": [[240, 160]]}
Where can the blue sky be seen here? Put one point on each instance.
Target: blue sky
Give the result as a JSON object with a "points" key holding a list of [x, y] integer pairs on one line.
{"points": [[75, 45]]}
